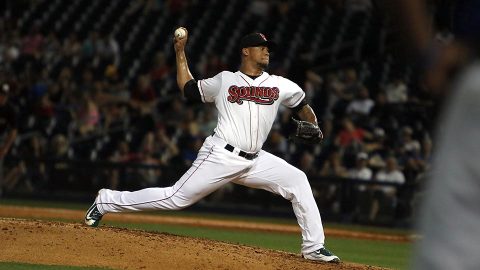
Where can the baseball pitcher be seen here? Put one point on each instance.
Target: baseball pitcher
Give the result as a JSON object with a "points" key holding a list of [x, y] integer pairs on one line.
{"points": [[247, 102]]}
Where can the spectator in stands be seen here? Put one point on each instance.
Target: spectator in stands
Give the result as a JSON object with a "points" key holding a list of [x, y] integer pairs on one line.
{"points": [[8, 127], [10, 50], [45, 112], [307, 165], [159, 71], [332, 168], [148, 176], [396, 91], [329, 136], [144, 101], [351, 85], [333, 88], [174, 111], [114, 86], [87, 115], [408, 144], [350, 135], [382, 113], [410, 154], [119, 173], [59, 171], [360, 107], [164, 147], [14, 176], [345, 89], [90, 45], [32, 43], [277, 143], [313, 86], [66, 93], [87, 82], [52, 46], [361, 171], [189, 153], [208, 121], [115, 116], [71, 49], [123, 153], [40, 85], [30, 173], [412, 166], [386, 196], [377, 143], [56, 94], [360, 196], [189, 125]]}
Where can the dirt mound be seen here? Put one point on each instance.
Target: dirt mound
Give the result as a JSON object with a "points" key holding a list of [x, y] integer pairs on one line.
{"points": [[42, 242]]}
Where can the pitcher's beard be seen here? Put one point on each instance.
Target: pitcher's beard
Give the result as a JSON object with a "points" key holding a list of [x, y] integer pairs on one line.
{"points": [[263, 66]]}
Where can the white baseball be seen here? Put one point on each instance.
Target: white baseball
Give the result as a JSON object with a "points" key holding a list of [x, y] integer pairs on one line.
{"points": [[180, 33]]}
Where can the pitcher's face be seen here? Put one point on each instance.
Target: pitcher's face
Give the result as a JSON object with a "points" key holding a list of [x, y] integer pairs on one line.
{"points": [[259, 55]]}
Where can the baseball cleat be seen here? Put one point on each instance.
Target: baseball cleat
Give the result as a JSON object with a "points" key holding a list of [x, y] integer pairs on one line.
{"points": [[323, 255], [93, 216]]}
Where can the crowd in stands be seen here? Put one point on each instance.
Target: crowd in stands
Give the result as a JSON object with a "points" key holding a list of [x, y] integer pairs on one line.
{"points": [[74, 104]]}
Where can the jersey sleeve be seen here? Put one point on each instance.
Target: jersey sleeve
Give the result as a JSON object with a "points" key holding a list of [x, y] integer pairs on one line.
{"points": [[293, 94], [209, 88]]}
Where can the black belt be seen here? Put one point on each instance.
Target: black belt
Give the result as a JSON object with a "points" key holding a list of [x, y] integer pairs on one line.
{"points": [[242, 153]]}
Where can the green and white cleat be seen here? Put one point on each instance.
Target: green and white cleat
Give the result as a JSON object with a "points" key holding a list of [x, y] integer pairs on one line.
{"points": [[323, 255]]}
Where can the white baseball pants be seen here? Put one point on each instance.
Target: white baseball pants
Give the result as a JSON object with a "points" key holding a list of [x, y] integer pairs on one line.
{"points": [[215, 167]]}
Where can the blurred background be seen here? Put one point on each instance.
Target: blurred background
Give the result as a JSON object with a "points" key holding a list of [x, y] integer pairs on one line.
{"points": [[94, 89]]}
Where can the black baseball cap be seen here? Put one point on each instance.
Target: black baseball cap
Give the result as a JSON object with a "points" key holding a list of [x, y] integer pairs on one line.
{"points": [[256, 39]]}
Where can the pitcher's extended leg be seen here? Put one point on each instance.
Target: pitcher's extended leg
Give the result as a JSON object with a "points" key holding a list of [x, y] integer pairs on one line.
{"points": [[276, 175], [207, 174]]}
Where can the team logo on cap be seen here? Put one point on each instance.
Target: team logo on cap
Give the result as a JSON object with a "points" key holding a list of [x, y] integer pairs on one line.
{"points": [[263, 36], [259, 95]]}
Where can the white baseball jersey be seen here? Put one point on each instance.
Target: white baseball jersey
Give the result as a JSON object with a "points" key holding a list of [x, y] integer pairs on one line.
{"points": [[247, 109], [236, 95]]}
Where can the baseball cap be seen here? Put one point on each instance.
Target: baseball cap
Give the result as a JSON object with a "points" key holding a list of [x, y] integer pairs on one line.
{"points": [[256, 39], [362, 155]]}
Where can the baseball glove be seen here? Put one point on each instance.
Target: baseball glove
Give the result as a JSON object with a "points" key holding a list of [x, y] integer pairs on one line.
{"points": [[306, 132]]}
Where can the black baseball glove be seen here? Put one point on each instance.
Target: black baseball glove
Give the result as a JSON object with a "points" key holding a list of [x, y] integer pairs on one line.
{"points": [[306, 132]]}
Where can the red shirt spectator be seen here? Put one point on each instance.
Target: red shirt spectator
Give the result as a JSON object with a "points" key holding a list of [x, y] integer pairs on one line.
{"points": [[350, 134]]}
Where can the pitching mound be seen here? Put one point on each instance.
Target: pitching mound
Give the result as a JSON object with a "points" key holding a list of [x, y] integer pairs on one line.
{"points": [[55, 243]]}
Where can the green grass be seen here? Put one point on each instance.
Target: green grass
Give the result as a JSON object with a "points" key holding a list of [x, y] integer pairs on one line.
{"points": [[379, 253], [49, 204], [26, 266]]}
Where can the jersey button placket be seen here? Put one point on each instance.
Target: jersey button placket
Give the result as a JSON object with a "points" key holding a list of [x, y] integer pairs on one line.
{"points": [[254, 130]]}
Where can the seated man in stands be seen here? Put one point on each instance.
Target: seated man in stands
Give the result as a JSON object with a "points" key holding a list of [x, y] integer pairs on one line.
{"points": [[385, 197]]}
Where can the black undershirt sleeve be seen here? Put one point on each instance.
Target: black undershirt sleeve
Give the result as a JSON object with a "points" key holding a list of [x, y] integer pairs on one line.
{"points": [[300, 105], [191, 91]]}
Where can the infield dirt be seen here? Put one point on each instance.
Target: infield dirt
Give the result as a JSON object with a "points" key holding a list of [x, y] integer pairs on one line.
{"points": [[55, 243]]}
